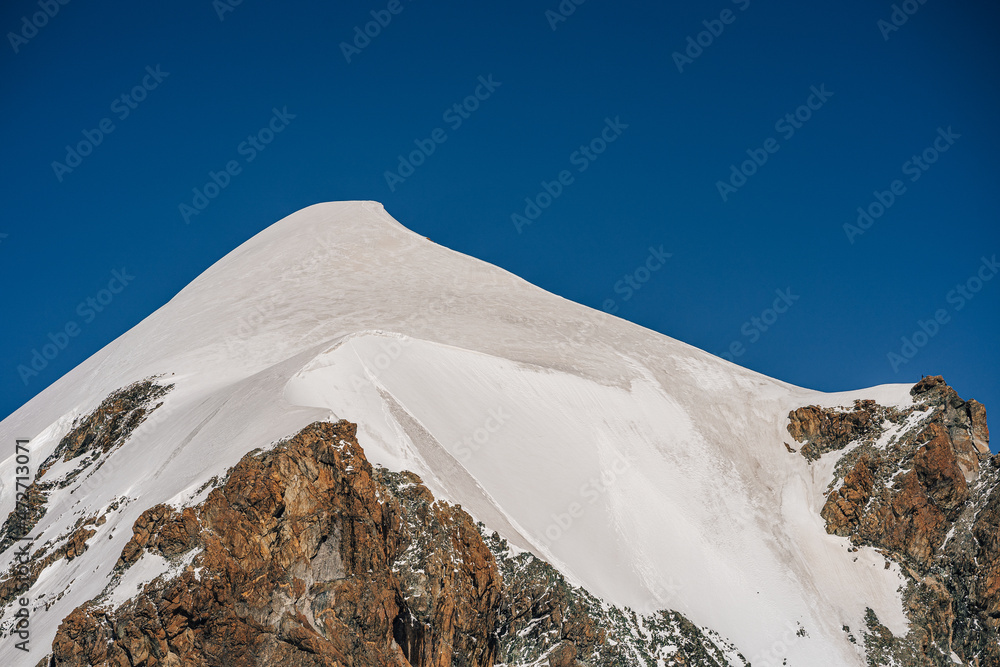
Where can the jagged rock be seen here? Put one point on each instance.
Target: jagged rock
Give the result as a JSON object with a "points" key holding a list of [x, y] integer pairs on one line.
{"points": [[926, 495], [982, 574], [306, 555], [844, 509], [25, 516], [965, 422], [296, 567], [161, 529], [929, 384], [111, 423], [980, 431], [13, 583], [824, 431], [104, 429]]}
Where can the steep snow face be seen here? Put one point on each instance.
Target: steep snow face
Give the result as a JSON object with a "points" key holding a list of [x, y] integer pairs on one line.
{"points": [[648, 471]]}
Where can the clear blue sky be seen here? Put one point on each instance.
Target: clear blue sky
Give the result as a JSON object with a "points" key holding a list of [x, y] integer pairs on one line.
{"points": [[879, 96]]}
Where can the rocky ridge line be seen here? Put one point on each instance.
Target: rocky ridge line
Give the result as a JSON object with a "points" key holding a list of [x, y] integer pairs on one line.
{"points": [[307, 555], [89, 442]]}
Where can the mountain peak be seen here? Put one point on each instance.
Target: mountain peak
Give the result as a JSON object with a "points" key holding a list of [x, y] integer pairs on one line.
{"points": [[350, 217], [649, 472]]}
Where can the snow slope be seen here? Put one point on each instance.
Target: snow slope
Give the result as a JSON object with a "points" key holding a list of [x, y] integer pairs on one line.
{"points": [[648, 471]]}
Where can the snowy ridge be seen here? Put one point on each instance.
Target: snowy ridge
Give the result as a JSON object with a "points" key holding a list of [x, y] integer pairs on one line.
{"points": [[648, 471]]}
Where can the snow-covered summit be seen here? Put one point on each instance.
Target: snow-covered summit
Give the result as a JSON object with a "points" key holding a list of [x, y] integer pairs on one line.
{"points": [[649, 471]]}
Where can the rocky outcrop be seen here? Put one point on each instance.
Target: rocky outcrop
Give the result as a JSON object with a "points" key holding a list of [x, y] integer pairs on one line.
{"points": [[822, 431], [28, 565], [111, 423], [295, 568], [905, 500], [15, 583], [919, 484], [307, 555], [90, 440], [545, 620], [88, 443]]}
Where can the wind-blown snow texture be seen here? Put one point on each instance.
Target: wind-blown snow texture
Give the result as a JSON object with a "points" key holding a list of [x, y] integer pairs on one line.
{"points": [[506, 399]]}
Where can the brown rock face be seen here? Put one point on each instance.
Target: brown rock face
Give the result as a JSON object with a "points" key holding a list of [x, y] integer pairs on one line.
{"points": [[308, 556], [964, 421], [929, 384], [911, 517], [980, 431], [929, 499], [824, 431], [985, 591], [844, 508], [296, 568], [111, 423]]}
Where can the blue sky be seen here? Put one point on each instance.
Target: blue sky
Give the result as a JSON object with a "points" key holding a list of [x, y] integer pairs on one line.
{"points": [[738, 137]]}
